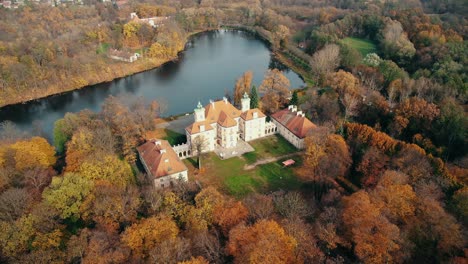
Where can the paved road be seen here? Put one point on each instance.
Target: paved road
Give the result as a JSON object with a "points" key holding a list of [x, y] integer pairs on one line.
{"points": [[177, 125], [270, 160]]}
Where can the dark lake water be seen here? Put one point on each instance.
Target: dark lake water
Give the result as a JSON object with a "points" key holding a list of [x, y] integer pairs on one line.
{"points": [[205, 70]]}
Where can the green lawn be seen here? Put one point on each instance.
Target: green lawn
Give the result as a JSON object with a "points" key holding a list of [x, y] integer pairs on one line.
{"points": [[230, 177], [174, 138], [102, 49], [364, 46], [268, 147]]}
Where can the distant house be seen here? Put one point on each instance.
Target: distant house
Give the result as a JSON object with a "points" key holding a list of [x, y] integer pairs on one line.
{"points": [[293, 125], [119, 3], [302, 45], [123, 55], [6, 4], [152, 21], [161, 163], [68, 2]]}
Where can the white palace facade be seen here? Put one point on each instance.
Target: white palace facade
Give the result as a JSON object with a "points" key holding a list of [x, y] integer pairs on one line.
{"points": [[220, 123]]}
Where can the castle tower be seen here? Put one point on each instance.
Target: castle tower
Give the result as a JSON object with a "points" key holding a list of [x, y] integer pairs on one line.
{"points": [[199, 113], [245, 102]]}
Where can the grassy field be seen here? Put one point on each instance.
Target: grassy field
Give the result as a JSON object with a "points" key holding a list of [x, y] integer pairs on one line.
{"points": [[364, 46], [103, 48], [174, 138], [230, 176], [272, 146]]}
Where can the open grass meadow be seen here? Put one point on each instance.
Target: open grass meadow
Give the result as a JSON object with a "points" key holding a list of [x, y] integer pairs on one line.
{"points": [[231, 177], [174, 138], [268, 147], [364, 46]]}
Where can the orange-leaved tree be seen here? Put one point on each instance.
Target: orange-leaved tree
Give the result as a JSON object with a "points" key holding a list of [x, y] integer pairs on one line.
{"points": [[264, 242], [144, 236]]}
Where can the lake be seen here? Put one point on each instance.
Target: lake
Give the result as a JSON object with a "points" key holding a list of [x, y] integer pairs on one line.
{"points": [[207, 69]]}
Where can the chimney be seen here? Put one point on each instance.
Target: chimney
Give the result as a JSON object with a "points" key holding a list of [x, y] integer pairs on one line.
{"points": [[157, 143], [299, 113], [212, 103], [162, 151], [290, 107], [255, 115], [166, 160], [202, 128], [225, 100]]}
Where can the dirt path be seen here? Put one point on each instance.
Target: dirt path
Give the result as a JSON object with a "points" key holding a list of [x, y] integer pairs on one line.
{"points": [[270, 160]]}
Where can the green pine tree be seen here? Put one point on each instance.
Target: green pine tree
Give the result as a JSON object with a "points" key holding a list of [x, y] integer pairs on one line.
{"points": [[253, 97], [294, 100]]}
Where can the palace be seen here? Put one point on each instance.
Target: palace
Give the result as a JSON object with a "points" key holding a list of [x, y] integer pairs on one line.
{"points": [[220, 123], [220, 127]]}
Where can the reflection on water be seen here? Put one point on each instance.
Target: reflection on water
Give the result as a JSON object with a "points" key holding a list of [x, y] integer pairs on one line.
{"points": [[209, 66]]}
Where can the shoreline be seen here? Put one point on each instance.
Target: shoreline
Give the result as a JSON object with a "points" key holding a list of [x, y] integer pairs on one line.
{"points": [[142, 65], [147, 65]]}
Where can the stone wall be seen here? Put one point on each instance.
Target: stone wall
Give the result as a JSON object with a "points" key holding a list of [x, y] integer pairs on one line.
{"points": [[183, 150], [270, 129]]}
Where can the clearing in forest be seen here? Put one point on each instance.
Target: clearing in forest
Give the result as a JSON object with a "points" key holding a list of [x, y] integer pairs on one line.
{"points": [[364, 46]]}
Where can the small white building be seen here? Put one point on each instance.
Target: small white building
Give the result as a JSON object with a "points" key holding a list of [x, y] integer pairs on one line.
{"points": [[152, 21], [161, 163], [123, 55], [293, 125]]}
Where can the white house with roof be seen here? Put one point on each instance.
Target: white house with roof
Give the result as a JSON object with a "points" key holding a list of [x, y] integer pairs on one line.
{"points": [[293, 125], [123, 55], [152, 21], [161, 163]]}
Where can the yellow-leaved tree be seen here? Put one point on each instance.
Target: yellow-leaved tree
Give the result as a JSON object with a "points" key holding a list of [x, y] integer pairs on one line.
{"points": [[110, 169], [67, 193], [36, 152]]}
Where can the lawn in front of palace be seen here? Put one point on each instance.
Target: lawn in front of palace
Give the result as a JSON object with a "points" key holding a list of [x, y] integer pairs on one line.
{"points": [[231, 177]]}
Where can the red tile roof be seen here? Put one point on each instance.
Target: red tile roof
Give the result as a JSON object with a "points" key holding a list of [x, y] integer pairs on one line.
{"points": [[120, 53], [248, 115], [225, 120], [195, 127], [294, 122], [214, 109], [160, 159], [221, 112]]}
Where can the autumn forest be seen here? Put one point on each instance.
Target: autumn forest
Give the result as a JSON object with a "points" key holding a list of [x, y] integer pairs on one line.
{"points": [[382, 178]]}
